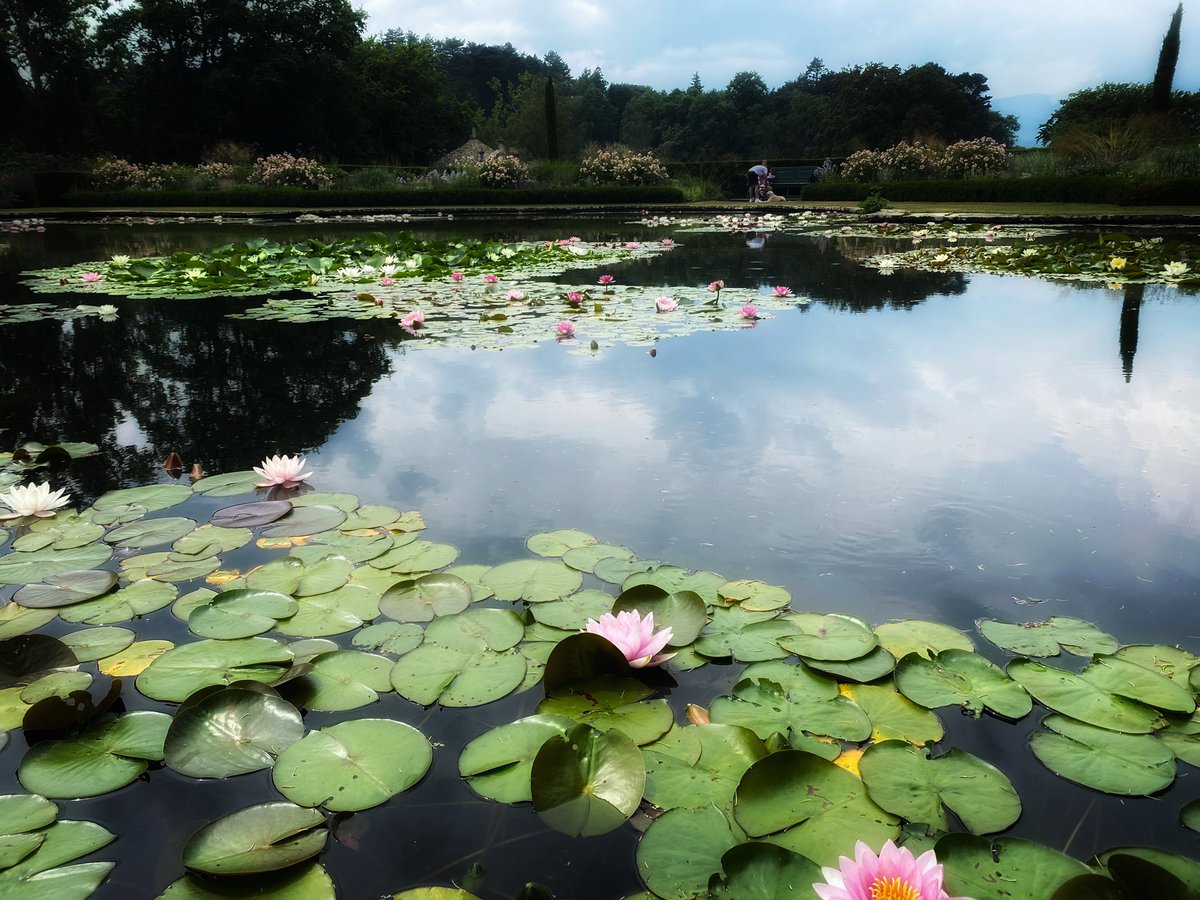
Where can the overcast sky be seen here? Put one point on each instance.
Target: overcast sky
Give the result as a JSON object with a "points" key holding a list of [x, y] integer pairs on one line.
{"points": [[1023, 46]]}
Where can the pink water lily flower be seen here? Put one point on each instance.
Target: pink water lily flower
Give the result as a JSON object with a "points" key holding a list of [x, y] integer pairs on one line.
{"points": [[285, 471], [33, 500], [515, 295], [490, 278], [667, 242], [90, 277], [456, 276], [716, 286], [631, 245], [633, 636], [574, 297], [565, 329], [605, 279], [749, 311], [387, 282], [665, 304], [781, 290], [892, 875], [413, 320]]}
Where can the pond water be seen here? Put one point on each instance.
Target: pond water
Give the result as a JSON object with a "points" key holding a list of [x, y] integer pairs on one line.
{"points": [[916, 445]]}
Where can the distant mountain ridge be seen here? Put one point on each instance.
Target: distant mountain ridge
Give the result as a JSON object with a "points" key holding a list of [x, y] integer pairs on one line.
{"points": [[1031, 109]]}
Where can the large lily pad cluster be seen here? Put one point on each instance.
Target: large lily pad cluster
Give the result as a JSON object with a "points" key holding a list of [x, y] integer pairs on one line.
{"points": [[32, 455], [830, 732]]}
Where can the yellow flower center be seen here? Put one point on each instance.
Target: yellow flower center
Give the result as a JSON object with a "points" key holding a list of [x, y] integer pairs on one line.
{"points": [[894, 889]]}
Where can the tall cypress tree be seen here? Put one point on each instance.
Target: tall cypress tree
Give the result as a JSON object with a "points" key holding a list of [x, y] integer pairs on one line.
{"points": [[551, 121], [1164, 76]]}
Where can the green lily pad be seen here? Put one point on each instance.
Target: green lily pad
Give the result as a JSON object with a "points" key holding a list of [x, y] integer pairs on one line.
{"points": [[1189, 815], [572, 613], [466, 660], [334, 613], [809, 805], [152, 497], [1184, 869], [682, 850], [66, 589], [684, 612], [586, 781], [306, 650], [353, 765], [906, 781], [390, 637], [1069, 694], [875, 665], [134, 659], [57, 684], [240, 613], [415, 557], [497, 764], [181, 672], [1173, 662], [227, 484], [92, 644], [150, 532], [894, 717], [163, 566], [557, 543], [726, 752], [281, 575], [1126, 764], [16, 619], [1136, 682], [1003, 868], [62, 531], [531, 580], [107, 756], [617, 568], [673, 579], [585, 558], [137, 599], [775, 697], [357, 548], [230, 731], [753, 595], [964, 679], [833, 636], [744, 634], [608, 703], [209, 540], [262, 838], [308, 882], [577, 657], [249, 515], [20, 813], [38, 565], [324, 575], [44, 875], [303, 520], [347, 503], [761, 871], [341, 680], [425, 598], [370, 517], [25, 658], [1049, 637]]}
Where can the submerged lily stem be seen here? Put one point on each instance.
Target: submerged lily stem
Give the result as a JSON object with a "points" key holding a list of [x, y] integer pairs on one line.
{"points": [[462, 859], [1078, 825]]}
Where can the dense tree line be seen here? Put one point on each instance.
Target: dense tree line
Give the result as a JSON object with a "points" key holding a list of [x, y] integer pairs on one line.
{"points": [[159, 80]]}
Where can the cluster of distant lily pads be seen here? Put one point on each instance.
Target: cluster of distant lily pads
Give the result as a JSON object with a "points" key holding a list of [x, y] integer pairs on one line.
{"points": [[829, 735]]}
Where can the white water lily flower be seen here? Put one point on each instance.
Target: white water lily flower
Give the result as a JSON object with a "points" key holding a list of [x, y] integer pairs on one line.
{"points": [[1176, 269], [33, 500], [107, 309], [193, 274], [349, 272], [286, 471], [390, 261], [120, 260], [388, 270]]}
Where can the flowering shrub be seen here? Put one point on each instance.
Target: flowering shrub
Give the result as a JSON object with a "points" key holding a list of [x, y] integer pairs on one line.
{"points": [[121, 173], [285, 170], [215, 171], [621, 165], [865, 165], [982, 156], [503, 170], [906, 161]]}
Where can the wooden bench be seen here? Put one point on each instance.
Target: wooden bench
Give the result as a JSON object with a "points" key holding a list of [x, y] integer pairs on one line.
{"points": [[793, 178]]}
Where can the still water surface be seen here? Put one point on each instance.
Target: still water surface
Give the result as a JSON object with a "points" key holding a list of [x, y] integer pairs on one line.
{"points": [[922, 445]]}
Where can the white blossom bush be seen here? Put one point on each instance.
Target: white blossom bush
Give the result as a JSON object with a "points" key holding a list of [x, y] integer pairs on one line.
{"points": [[503, 170], [982, 156], [620, 165], [117, 173], [285, 170], [863, 166], [906, 161]]}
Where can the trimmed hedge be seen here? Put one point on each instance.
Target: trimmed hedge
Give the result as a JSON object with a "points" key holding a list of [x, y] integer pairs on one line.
{"points": [[329, 199], [1112, 189]]}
